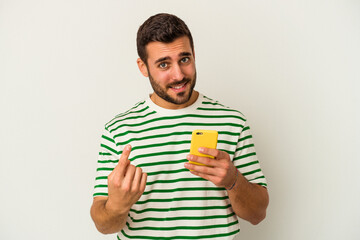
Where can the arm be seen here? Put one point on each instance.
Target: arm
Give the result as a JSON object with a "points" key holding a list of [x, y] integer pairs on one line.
{"points": [[126, 184], [106, 221], [248, 200]]}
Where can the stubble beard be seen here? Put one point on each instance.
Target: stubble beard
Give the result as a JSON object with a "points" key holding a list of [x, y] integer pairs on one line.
{"points": [[181, 97]]}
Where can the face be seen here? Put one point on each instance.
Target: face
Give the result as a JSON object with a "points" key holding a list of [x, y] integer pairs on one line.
{"points": [[172, 73]]}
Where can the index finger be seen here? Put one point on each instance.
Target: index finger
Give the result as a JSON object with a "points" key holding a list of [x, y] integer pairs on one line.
{"points": [[124, 160], [216, 153]]}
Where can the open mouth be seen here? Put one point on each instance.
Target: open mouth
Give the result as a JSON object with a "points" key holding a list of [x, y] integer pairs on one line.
{"points": [[180, 87]]}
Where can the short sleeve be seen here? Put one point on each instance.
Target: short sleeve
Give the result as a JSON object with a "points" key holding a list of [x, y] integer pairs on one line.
{"points": [[246, 160], [107, 160]]}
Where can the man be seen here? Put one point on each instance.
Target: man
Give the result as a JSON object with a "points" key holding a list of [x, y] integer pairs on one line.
{"points": [[144, 187]]}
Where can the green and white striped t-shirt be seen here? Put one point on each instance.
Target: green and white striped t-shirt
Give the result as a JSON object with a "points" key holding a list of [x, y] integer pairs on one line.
{"points": [[177, 204]]}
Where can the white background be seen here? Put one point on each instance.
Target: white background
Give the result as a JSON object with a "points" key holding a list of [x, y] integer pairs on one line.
{"points": [[291, 66]]}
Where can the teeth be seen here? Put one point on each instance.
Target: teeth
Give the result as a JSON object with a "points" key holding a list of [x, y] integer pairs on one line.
{"points": [[178, 87]]}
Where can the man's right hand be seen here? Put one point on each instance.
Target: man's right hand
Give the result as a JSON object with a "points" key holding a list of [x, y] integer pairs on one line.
{"points": [[126, 184]]}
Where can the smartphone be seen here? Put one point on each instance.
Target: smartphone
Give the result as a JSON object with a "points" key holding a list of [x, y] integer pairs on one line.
{"points": [[203, 138]]}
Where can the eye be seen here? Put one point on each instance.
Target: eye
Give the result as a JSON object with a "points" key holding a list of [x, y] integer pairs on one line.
{"points": [[185, 59], [163, 65]]}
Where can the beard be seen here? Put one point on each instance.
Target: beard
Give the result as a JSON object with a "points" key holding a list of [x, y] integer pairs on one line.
{"points": [[181, 97]]}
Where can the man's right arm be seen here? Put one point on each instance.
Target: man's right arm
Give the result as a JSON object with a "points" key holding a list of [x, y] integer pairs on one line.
{"points": [[126, 184], [105, 220]]}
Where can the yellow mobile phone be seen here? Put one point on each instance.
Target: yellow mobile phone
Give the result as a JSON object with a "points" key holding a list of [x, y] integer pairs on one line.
{"points": [[203, 138]]}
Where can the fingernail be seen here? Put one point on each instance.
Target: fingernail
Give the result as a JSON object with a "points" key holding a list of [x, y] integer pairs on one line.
{"points": [[189, 157], [201, 149], [127, 147]]}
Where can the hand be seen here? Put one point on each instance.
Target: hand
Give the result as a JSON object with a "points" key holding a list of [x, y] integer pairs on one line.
{"points": [[220, 170], [126, 184]]}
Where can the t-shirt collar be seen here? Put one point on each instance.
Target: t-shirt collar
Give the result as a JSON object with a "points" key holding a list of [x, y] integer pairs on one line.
{"points": [[165, 111]]}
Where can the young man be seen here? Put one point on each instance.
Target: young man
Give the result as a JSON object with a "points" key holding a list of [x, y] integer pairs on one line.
{"points": [[144, 187]]}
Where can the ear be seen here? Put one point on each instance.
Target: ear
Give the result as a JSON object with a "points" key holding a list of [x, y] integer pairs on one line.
{"points": [[142, 67]]}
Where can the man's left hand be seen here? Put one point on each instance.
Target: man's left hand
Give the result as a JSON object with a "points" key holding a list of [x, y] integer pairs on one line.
{"points": [[219, 170]]}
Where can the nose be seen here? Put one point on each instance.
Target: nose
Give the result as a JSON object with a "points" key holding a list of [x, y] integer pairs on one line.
{"points": [[177, 73]]}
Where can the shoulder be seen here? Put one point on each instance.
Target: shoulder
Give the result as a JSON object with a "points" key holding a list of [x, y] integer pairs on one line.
{"points": [[131, 113], [212, 105]]}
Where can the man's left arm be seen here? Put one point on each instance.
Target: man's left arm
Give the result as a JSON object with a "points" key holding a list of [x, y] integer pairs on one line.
{"points": [[248, 200]]}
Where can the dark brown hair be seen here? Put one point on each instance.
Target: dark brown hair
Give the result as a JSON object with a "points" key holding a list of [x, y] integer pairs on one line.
{"points": [[161, 27]]}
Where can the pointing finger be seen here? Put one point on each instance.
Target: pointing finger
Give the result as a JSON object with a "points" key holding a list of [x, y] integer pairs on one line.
{"points": [[123, 161], [126, 153]]}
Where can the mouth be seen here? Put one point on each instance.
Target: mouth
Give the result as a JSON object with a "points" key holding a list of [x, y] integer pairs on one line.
{"points": [[179, 87]]}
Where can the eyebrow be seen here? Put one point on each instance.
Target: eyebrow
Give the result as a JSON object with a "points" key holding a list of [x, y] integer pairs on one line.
{"points": [[182, 54]]}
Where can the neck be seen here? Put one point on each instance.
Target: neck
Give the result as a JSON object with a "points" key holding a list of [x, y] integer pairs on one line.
{"points": [[168, 105]]}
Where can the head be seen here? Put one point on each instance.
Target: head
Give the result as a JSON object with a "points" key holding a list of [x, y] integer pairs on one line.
{"points": [[161, 27], [166, 56]]}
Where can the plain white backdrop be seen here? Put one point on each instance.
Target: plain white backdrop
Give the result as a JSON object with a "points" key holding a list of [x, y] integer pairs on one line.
{"points": [[292, 67]]}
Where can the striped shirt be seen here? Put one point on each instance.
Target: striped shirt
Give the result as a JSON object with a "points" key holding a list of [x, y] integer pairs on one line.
{"points": [[177, 204]]}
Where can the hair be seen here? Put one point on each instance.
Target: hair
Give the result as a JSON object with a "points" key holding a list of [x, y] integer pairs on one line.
{"points": [[161, 27]]}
